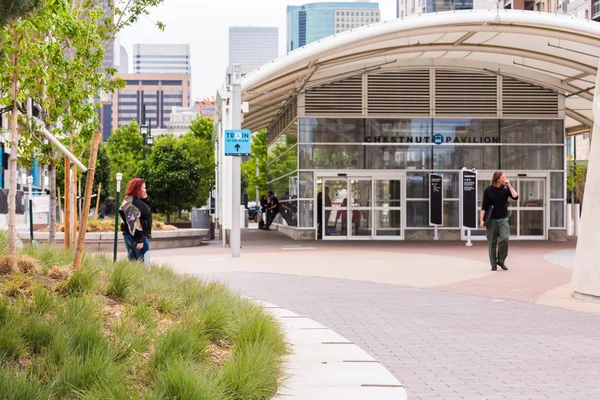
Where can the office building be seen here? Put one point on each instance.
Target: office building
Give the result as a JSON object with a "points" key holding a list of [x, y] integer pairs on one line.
{"points": [[314, 21], [161, 59], [253, 45], [158, 92]]}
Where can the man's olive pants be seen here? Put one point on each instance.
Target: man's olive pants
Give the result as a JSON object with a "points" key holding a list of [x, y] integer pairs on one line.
{"points": [[497, 232]]}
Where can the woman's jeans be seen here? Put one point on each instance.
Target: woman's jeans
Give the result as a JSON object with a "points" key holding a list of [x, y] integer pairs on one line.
{"points": [[133, 253]]}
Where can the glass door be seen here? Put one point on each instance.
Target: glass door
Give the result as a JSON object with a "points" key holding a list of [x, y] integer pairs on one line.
{"points": [[531, 208], [335, 208], [359, 208], [387, 209]]}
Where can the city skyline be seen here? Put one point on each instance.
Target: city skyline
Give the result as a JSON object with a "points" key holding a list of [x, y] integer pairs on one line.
{"points": [[206, 29]]}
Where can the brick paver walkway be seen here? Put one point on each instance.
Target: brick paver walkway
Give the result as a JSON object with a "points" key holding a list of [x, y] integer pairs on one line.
{"points": [[446, 345]]}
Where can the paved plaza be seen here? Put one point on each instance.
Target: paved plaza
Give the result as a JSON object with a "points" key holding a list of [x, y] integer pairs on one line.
{"points": [[432, 313]]}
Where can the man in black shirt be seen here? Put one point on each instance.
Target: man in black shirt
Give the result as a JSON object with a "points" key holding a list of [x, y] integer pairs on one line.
{"points": [[272, 209], [494, 217]]}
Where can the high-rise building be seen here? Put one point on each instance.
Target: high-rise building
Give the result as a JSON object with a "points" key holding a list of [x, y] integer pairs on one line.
{"points": [[161, 59], [315, 21], [158, 92], [253, 45], [123, 61]]}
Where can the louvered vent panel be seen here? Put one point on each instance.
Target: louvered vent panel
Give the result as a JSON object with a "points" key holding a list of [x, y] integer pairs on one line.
{"points": [[526, 99], [465, 93], [281, 121], [405, 92], [342, 97]]}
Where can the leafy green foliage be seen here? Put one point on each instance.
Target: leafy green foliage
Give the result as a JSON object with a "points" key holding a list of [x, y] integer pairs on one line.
{"points": [[258, 158], [576, 178], [13, 9], [124, 149], [172, 176]]}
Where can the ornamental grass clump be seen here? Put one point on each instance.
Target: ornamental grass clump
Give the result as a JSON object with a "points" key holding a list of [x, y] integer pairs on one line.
{"points": [[124, 330]]}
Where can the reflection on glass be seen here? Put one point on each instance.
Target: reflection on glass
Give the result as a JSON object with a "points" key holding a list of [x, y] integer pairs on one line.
{"points": [[460, 130], [451, 185], [557, 185], [288, 210], [417, 186], [306, 214], [360, 222], [531, 193], [388, 193], [532, 223], [417, 214], [398, 157], [336, 204], [531, 157], [557, 214], [457, 157], [331, 130], [451, 214], [531, 131], [331, 157], [387, 222], [306, 185], [513, 222], [360, 195], [282, 162], [416, 130]]}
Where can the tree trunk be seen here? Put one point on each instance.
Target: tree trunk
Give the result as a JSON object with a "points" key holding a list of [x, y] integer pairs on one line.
{"points": [[67, 203], [12, 160], [52, 179]]}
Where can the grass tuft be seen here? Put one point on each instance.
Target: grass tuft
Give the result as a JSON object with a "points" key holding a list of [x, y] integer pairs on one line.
{"points": [[187, 380], [27, 265], [84, 280], [21, 387], [58, 273], [7, 265], [180, 342], [124, 280]]}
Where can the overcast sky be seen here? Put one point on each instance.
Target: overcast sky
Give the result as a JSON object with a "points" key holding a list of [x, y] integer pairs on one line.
{"points": [[204, 25]]}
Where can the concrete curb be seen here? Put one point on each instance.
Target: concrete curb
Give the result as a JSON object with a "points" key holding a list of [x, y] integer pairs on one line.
{"points": [[325, 365]]}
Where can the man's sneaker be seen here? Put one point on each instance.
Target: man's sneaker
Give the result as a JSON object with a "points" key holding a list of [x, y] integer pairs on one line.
{"points": [[504, 267], [494, 269]]}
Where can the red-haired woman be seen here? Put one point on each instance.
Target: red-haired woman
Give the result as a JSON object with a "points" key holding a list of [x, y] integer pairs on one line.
{"points": [[137, 219]]}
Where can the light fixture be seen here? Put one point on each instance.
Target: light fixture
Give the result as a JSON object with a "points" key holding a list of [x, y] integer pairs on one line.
{"points": [[144, 130], [150, 140]]}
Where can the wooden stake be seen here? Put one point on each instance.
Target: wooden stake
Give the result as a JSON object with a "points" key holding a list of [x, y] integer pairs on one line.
{"points": [[74, 208], [88, 198], [98, 199], [67, 222], [60, 216]]}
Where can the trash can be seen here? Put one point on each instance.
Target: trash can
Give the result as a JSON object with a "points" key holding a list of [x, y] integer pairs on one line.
{"points": [[201, 220]]}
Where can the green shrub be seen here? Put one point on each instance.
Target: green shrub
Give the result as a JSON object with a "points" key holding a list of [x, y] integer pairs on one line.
{"points": [[37, 333], [20, 387], [84, 280], [180, 342]]}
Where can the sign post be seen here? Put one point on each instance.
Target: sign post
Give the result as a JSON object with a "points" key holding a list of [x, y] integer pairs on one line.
{"points": [[237, 143], [436, 203], [468, 183]]}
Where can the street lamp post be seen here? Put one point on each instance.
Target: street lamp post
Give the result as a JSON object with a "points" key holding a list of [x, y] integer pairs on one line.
{"points": [[30, 184], [147, 139], [117, 204]]}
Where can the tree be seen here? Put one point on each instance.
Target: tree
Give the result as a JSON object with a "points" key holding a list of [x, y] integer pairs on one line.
{"points": [[576, 178], [172, 177], [14, 9], [202, 154], [202, 128], [258, 158], [124, 149]]}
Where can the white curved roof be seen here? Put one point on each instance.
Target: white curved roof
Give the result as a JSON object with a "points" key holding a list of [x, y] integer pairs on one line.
{"points": [[554, 51]]}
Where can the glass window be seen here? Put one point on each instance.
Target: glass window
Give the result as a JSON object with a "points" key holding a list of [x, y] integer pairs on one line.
{"points": [[306, 213], [306, 185], [417, 214], [467, 130], [531, 157], [331, 156], [457, 157], [331, 130], [417, 130], [451, 185], [398, 157], [417, 185], [451, 214], [531, 131], [282, 162], [557, 185], [557, 214], [289, 212]]}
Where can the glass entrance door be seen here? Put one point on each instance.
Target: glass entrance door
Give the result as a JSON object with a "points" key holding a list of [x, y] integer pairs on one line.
{"points": [[335, 208], [387, 208], [531, 208], [359, 208]]}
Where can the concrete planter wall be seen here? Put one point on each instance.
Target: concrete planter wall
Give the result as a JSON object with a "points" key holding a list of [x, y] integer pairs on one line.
{"points": [[104, 241]]}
